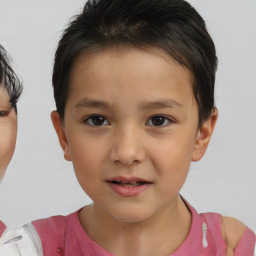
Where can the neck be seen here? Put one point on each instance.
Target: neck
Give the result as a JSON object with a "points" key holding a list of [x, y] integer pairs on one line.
{"points": [[160, 234]]}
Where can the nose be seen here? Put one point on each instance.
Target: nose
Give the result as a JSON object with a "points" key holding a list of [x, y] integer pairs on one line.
{"points": [[127, 148]]}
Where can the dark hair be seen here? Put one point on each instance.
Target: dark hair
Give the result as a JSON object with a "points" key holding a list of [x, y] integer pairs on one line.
{"points": [[173, 26], [8, 79]]}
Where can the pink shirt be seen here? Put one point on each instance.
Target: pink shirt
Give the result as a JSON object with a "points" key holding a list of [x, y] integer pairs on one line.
{"points": [[65, 236], [2, 228]]}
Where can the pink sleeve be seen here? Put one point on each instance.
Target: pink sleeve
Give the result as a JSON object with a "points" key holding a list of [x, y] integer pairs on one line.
{"points": [[246, 245], [2, 228]]}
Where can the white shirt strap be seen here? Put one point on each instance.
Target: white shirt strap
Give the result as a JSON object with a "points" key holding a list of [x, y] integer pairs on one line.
{"points": [[23, 241]]}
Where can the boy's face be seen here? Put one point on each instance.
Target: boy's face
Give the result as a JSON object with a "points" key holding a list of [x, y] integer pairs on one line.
{"points": [[131, 131], [8, 131]]}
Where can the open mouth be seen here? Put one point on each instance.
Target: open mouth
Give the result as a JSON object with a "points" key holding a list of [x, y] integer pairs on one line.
{"points": [[129, 183], [128, 187]]}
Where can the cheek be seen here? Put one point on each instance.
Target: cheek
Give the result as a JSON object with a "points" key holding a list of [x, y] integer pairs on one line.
{"points": [[84, 151], [7, 146], [175, 149], [172, 159], [87, 157], [173, 171]]}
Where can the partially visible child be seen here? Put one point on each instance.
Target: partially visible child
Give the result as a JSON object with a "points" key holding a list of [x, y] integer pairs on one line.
{"points": [[134, 88], [10, 90]]}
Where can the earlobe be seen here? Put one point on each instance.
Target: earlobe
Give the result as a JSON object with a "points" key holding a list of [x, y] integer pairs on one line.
{"points": [[58, 126], [204, 135]]}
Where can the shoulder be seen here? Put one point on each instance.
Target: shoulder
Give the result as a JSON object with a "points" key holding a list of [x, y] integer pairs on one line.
{"points": [[231, 234], [53, 223], [2, 227], [232, 231], [52, 232]]}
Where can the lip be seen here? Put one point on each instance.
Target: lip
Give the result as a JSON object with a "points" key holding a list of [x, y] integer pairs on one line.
{"points": [[128, 191], [127, 179]]}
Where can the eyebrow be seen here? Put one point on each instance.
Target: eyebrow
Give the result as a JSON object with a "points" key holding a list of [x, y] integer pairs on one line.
{"points": [[93, 103], [165, 103]]}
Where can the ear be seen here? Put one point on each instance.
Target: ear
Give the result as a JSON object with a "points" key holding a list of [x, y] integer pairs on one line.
{"points": [[59, 128], [204, 135]]}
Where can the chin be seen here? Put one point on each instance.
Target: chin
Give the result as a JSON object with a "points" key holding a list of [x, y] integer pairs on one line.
{"points": [[130, 215]]}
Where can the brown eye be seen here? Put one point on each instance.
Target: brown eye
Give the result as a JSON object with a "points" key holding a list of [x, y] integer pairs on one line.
{"points": [[3, 113], [96, 120], [159, 121]]}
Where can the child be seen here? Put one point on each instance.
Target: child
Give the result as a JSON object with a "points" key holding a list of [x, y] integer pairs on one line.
{"points": [[134, 88], [10, 90]]}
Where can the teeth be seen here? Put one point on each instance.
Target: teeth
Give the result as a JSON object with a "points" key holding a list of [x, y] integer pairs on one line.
{"points": [[130, 184]]}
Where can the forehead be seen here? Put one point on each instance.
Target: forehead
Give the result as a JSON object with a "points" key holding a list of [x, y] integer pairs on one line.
{"points": [[4, 96], [127, 63]]}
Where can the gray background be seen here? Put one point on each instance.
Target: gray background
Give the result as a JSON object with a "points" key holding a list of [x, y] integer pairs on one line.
{"points": [[40, 183]]}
